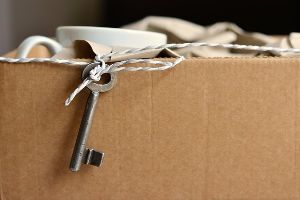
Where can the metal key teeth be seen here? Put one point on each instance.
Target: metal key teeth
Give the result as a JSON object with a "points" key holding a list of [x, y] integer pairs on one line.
{"points": [[93, 157]]}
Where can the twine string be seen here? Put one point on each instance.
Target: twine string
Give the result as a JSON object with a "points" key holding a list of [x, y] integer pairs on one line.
{"points": [[102, 68], [151, 65]]}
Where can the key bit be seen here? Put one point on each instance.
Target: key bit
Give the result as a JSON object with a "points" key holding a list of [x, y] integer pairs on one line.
{"points": [[93, 157]]}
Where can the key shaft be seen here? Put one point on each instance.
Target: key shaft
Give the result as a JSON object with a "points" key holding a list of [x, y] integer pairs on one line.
{"points": [[79, 151]]}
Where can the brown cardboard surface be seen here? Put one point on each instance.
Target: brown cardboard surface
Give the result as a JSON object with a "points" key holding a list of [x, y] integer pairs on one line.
{"points": [[38, 51], [208, 129]]}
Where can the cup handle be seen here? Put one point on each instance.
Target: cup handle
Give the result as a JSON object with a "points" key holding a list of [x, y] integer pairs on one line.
{"points": [[26, 46]]}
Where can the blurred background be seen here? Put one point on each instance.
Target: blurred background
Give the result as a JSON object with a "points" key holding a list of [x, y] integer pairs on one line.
{"points": [[22, 18]]}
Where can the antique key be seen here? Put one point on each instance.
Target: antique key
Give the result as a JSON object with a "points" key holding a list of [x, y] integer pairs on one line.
{"points": [[81, 154]]}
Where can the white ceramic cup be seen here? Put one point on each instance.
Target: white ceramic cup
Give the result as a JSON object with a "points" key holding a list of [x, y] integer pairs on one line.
{"points": [[108, 36]]}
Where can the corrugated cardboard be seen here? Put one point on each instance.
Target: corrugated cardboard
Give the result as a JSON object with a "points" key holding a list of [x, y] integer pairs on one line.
{"points": [[211, 129]]}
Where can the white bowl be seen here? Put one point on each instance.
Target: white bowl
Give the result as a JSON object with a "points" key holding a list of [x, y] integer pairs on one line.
{"points": [[109, 36]]}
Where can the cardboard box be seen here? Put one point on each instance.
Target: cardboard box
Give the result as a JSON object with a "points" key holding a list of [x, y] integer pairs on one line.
{"points": [[211, 129]]}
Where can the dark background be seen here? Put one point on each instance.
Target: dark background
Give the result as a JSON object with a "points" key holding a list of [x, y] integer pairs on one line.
{"points": [[22, 18], [272, 17]]}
